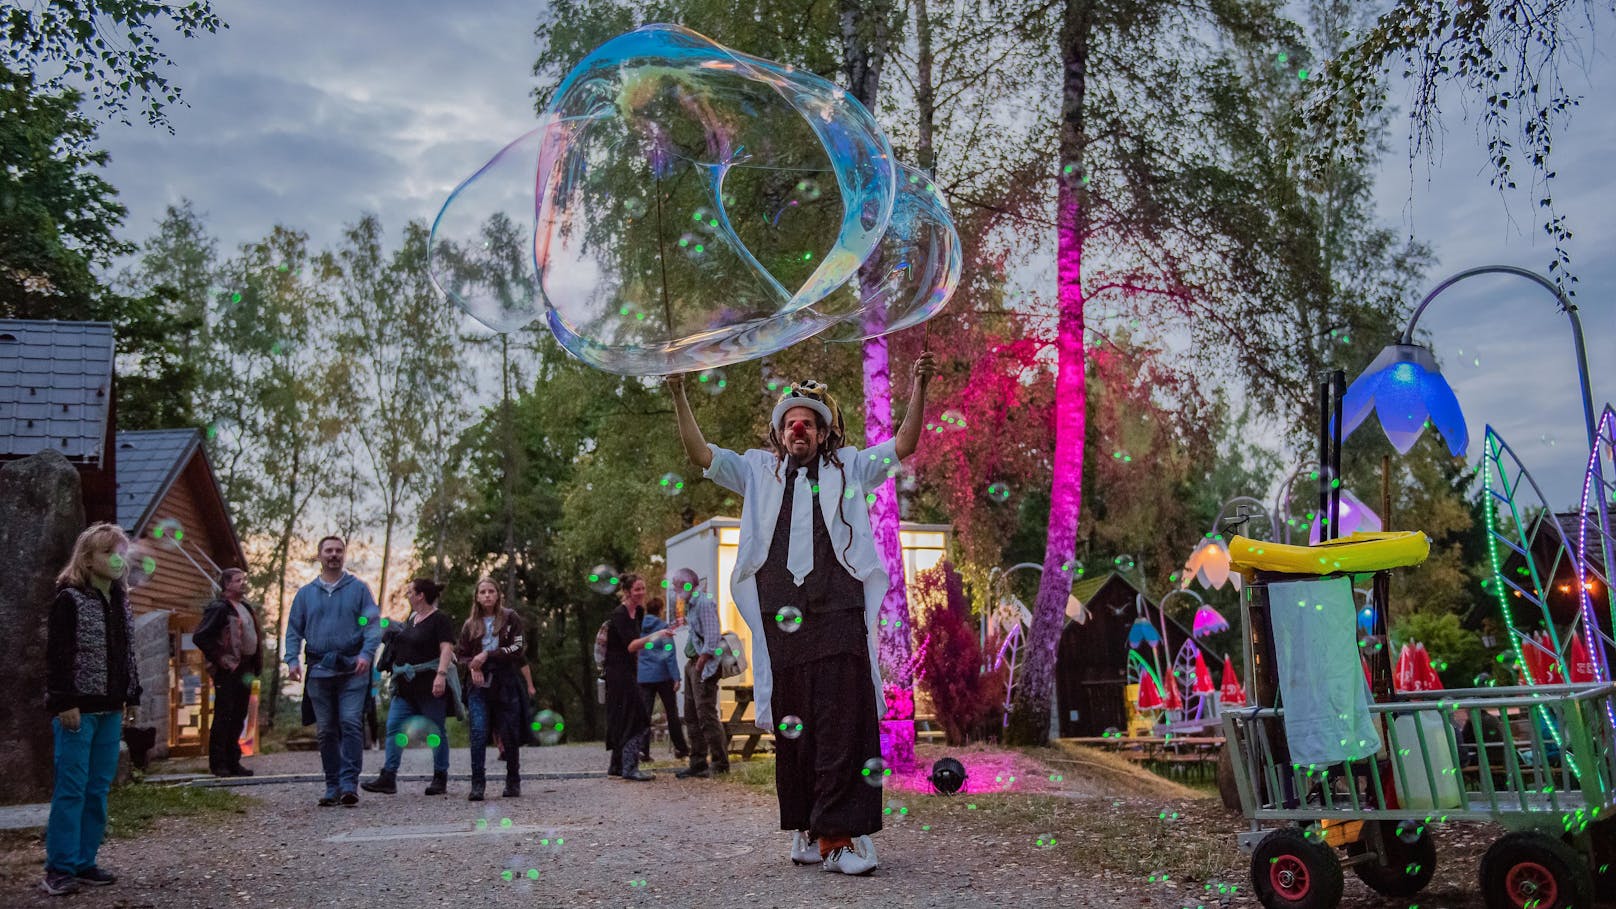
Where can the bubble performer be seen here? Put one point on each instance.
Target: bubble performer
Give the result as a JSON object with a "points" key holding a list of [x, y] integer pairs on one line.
{"points": [[91, 679], [822, 561]]}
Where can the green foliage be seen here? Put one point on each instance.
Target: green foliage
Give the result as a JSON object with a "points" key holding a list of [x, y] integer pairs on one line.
{"points": [[1504, 57], [57, 215], [1456, 652], [109, 46]]}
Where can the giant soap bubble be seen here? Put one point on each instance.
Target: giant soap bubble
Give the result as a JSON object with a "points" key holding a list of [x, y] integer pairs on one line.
{"points": [[682, 206]]}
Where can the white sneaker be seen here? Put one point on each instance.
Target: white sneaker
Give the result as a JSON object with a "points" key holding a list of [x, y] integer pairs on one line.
{"points": [[804, 851], [850, 859]]}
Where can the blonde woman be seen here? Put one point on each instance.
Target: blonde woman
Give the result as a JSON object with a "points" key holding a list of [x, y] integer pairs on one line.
{"points": [[91, 678], [492, 647]]}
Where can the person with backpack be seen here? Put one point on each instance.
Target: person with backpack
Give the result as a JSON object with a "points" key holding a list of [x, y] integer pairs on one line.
{"points": [[808, 553], [628, 722], [703, 727]]}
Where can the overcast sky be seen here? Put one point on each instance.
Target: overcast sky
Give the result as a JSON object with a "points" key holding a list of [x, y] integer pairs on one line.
{"points": [[309, 113]]}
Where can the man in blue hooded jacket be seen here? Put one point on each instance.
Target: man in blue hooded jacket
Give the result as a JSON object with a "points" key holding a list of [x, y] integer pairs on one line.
{"points": [[335, 619]]}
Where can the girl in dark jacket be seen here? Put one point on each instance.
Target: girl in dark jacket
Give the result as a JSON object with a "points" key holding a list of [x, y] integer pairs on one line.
{"points": [[91, 677], [492, 647]]}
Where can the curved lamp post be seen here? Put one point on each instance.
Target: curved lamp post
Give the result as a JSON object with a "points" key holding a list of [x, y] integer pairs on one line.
{"points": [[1404, 387]]}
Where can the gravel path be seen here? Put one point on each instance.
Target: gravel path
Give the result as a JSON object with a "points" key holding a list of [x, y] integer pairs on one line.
{"points": [[585, 840]]}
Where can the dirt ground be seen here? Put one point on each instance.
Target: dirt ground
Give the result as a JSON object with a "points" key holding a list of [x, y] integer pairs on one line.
{"points": [[1055, 827]]}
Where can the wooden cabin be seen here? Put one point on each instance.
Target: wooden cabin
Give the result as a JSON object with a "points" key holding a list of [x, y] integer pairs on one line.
{"points": [[171, 505]]}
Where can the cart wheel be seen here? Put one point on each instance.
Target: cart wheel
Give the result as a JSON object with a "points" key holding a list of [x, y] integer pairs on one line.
{"points": [[1604, 841], [1289, 871], [1535, 871], [1404, 867]]}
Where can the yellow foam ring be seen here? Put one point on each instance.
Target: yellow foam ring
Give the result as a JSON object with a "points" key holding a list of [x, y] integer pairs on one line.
{"points": [[1351, 554]]}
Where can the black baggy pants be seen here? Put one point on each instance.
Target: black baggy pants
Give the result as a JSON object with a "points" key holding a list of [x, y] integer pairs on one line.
{"points": [[231, 693], [818, 775], [650, 693]]}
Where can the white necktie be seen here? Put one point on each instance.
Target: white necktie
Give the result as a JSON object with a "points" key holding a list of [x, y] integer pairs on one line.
{"points": [[800, 554]]}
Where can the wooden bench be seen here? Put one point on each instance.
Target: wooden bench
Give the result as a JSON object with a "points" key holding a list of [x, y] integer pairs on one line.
{"points": [[738, 725]]}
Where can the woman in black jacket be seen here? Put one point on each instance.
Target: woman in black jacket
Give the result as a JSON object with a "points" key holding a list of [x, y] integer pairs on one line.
{"points": [[91, 677], [628, 719], [492, 647]]}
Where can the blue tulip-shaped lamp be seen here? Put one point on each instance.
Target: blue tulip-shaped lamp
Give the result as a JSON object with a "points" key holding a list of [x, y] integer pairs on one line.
{"points": [[1405, 388]]}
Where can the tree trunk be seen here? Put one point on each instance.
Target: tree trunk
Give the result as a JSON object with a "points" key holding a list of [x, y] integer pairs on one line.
{"points": [[925, 92], [1029, 718], [283, 556], [866, 36], [387, 552]]}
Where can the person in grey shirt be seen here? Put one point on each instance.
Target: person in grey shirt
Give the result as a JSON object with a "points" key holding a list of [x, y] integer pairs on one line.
{"points": [[709, 746]]}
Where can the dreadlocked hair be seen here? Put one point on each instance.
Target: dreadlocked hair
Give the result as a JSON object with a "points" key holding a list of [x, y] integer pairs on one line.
{"points": [[827, 450]]}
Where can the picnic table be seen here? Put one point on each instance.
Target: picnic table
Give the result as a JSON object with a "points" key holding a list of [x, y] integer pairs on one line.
{"points": [[737, 724]]}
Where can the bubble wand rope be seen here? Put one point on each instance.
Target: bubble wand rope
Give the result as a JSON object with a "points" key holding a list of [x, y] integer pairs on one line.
{"points": [[662, 259]]}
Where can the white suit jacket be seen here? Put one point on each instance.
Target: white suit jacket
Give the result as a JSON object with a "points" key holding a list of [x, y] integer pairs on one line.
{"points": [[752, 475]]}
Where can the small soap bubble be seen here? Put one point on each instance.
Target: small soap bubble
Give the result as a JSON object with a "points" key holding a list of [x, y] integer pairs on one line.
{"points": [[602, 579], [953, 419], [788, 618], [1410, 831], [999, 492], [875, 772], [1045, 841], [671, 484], [712, 381], [550, 726], [789, 727], [1125, 562], [1548, 439]]}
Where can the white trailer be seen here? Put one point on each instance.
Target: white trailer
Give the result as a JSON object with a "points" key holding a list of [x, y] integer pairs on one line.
{"points": [[709, 549]]}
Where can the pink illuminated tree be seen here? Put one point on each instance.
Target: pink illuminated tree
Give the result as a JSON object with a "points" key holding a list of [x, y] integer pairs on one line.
{"points": [[1149, 221]]}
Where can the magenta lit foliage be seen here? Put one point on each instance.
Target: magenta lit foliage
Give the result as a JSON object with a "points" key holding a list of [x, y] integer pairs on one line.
{"points": [[950, 673]]}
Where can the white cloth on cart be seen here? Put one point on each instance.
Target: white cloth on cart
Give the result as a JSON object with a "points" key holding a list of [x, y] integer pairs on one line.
{"points": [[1321, 681]]}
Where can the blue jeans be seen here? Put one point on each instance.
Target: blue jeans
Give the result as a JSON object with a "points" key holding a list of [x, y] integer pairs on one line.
{"points": [[86, 762], [339, 706], [399, 713]]}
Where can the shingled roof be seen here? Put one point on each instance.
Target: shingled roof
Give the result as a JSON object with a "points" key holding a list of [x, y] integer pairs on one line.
{"points": [[148, 464], [55, 388]]}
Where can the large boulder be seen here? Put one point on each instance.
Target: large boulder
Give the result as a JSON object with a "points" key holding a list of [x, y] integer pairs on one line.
{"points": [[41, 514]]}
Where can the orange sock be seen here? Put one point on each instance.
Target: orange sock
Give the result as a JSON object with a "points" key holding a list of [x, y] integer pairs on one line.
{"points": [[829, 844]]}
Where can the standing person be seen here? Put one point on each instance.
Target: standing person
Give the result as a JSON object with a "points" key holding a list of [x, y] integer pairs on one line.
{"points": [[659, 678], [91, 677], [492, 646], [421, 652], [807, 551], [336, 617], [703, 728], [229, 637], [628, 722]]}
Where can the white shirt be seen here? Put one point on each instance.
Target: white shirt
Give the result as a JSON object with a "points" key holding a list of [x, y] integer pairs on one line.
{"points": [[754, 476]]}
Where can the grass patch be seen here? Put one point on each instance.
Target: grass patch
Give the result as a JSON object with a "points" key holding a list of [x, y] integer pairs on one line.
{"points": [[132, 809], [757, 773]]}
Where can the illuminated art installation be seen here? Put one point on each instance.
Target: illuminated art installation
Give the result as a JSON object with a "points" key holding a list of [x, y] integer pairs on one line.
{"points": [[1519, 517], [1405, 389]]}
